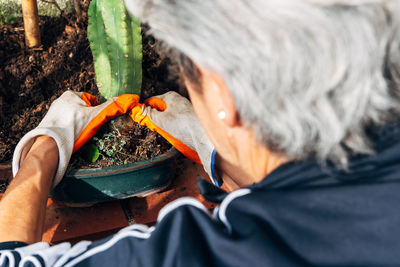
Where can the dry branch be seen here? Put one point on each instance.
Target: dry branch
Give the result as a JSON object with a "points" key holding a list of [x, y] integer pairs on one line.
{"points": [[53, 2]]}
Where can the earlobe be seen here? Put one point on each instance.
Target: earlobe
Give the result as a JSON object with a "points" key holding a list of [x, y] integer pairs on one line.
{"points": [[228, 113]]}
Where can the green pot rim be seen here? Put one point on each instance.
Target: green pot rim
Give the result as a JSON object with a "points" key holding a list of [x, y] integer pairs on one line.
{"points": [[120, 169]]}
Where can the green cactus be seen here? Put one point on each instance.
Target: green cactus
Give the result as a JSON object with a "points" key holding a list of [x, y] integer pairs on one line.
{"points": [[116, 44]]}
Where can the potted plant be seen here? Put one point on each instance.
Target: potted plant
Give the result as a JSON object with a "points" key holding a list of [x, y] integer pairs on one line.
{"points": [[116, 44]]}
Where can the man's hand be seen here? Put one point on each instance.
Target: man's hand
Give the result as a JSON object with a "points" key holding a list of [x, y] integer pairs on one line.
{"points": [[71, 121], [173, 117]]}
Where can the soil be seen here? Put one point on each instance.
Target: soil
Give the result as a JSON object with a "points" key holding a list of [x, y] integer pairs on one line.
{"points": [[138, 143], [30, 79]]}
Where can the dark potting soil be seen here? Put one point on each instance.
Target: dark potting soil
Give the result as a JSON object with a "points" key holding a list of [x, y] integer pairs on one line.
{"points": [[30, 79], [119, 142], [3, 186]]}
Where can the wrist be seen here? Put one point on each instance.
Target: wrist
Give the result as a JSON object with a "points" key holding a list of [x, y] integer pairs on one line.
{"points": [[41, 160], [44, 146]]}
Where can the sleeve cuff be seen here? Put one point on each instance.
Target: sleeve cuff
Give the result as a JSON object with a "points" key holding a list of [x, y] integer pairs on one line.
{"points": [[214, 178], [12, 245]]}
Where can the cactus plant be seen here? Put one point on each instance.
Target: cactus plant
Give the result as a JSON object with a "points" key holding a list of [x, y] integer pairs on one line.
{"points": [[116, 44]]}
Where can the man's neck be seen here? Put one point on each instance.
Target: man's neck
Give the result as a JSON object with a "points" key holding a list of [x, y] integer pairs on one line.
{"points": [[236, 177]]}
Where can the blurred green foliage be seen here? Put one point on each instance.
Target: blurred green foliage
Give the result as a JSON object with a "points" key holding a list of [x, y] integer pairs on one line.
{"points": [[10, 10]]}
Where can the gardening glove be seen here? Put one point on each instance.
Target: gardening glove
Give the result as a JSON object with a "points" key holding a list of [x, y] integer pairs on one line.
{"points": [[71, 121], [173, 117]]}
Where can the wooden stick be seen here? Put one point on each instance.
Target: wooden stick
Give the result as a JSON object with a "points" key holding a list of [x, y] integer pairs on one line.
{"points": [[31, 23], [78, 10]]}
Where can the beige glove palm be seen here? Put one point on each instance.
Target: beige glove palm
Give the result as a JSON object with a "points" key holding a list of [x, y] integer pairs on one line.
{"points": [[172, 116]]}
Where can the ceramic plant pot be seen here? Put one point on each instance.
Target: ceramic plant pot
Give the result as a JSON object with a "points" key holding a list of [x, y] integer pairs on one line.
{"points": [[90, 186]]}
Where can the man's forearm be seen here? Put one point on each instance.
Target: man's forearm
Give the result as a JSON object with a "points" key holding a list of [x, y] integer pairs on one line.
{"points": [[23, 207]]}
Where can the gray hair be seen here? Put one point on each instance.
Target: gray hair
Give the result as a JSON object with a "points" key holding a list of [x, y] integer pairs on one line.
{"points": [[307, 75]]}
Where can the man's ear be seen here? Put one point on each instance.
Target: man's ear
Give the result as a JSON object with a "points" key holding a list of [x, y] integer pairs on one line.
{"points": [[228, 112]]}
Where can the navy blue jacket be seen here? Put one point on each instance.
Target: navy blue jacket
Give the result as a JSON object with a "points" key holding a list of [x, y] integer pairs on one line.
{"points": [[299, 215]]}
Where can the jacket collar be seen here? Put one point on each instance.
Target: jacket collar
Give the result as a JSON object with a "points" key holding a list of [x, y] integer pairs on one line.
{"points": [[383, 166]]}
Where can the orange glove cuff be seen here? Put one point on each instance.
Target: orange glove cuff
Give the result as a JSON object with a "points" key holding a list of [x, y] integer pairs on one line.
{"points": [[89, 99], [120, 106], [136, 115]]}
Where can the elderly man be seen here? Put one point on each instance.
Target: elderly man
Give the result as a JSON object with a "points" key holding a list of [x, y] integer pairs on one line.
{"points": [[301, 101]]}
